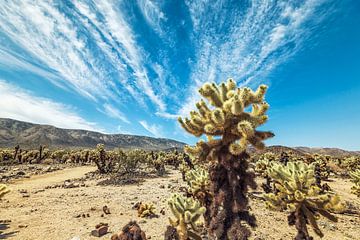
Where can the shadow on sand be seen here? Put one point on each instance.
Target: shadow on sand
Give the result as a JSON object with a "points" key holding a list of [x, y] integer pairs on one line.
{"points": [[3, 235]]}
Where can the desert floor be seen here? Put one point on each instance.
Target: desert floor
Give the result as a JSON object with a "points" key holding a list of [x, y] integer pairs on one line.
{"points": [[41, 213]]}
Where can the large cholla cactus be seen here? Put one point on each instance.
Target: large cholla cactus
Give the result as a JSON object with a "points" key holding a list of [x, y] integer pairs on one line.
{"points": [[187, 212], [355, 177], [298, 193], [229, 130], [3, 190]]}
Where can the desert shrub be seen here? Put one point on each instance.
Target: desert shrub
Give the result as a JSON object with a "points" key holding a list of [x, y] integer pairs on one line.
{"points": [[229, 129], [132, 160], [104, 161]]}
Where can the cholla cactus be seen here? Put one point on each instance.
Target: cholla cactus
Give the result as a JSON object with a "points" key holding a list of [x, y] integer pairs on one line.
{"points": [[187, 212], [199, 187], [198, 180], [3, 190], [356, 179], [146, 210], [351, 163], [229, 130], [261, 167], [298, 193]]}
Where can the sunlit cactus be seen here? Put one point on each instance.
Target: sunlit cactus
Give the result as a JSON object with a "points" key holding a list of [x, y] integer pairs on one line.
{"points": [[3, 190], [187, 213], [199, 187], [297, 192], [355, 178], [229, 130], [146, 210]]}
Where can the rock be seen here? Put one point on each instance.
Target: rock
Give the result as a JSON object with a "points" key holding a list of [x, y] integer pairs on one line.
{"points": [[23, 226], [100, 230], [20, 173], [26, 195]]}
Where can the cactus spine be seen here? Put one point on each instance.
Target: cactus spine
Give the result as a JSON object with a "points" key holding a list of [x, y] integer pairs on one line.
{"points": [[229, 130], [298, 193]]}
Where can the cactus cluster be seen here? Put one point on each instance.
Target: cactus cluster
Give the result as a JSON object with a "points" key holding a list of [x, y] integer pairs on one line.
{"points": [[146, 210], [3, 190], [355, 178], [229, 129], [187, 213], [297, 192]]}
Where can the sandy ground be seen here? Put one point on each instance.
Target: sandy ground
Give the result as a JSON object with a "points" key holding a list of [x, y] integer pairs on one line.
{"points": [[52, 213]]}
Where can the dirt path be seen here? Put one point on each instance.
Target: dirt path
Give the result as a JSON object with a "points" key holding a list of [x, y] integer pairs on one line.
{"points": [[41, 181]]}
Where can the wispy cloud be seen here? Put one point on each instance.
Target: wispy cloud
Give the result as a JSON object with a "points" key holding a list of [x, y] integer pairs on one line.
{"points": [[83, 46], [19, 104], [154, 129], [152, 13], [247, 43], [115, 113]]}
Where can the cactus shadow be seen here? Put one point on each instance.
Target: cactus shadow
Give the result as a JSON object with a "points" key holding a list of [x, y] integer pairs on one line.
{"points": [[3, 227]]}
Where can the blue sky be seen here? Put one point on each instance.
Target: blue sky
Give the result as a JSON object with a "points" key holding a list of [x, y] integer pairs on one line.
{"points": [[134, 66]]}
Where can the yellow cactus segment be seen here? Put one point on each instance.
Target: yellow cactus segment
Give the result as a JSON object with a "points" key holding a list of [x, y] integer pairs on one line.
{"points": [[146, 210], [296, 191], [3, 190], [198, 180], [227, 115], [187, 213], [355, 178]]}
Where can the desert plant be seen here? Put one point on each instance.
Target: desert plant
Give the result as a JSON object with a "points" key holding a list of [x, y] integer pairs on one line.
{"points": [[3, 190], [351, 163], [261, 167], [132, 161], [146, 210], [199, 188], [229, 130], [297, 192], [187, 212], [105, 162], [355, 177]]}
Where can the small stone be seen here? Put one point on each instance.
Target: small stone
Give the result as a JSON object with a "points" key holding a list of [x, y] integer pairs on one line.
{"points": [[23, 226]]}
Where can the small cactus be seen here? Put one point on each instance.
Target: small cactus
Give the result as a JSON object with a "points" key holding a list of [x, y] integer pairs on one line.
{"points": [[355, 178], [3, 190], [146, 210], [187, 212], [298, 193]]}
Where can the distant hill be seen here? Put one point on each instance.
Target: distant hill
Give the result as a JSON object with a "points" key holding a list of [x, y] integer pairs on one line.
{"points": [[29, 135], [336, 152]]}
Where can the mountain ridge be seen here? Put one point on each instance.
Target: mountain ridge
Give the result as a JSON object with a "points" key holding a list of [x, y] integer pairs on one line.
{"points": [[31, 135]]}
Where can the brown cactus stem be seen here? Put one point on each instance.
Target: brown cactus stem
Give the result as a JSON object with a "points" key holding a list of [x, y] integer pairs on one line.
{"points": [[300, 224], [230, 181]]}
